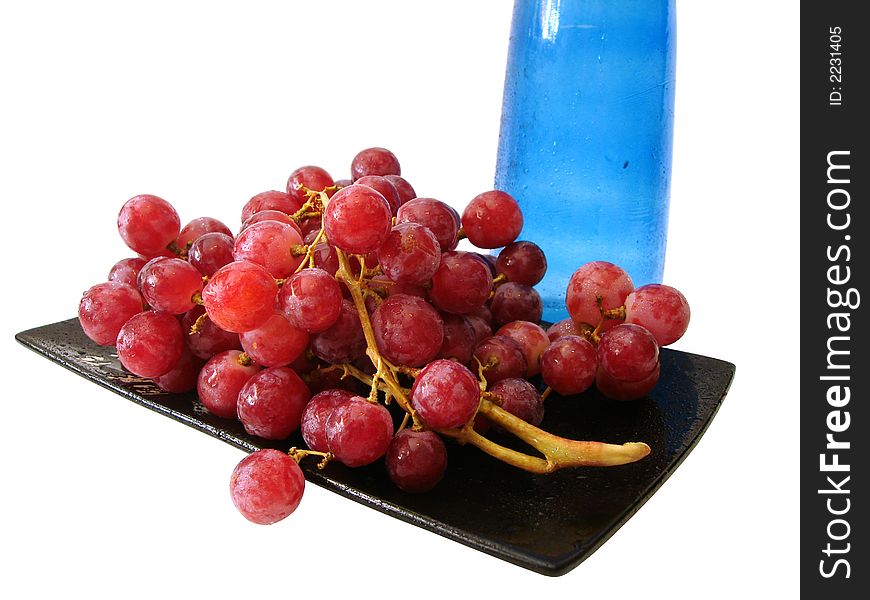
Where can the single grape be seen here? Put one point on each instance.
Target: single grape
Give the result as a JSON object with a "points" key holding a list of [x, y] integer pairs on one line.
{"points": [[127, 270], [270, 404], [316, 413], [408, 330], [326, 258], [522, 262], [591, 281], [344, 341], [105, 307], [275, 343], [169, 284], [150, 343], [502, 357], [416, 460], [492, 219], [533, 340], [271, 215], [406, 192], [461, 284], [148, 224], [210, 252], [445, 394], [385, 188], [459, 338], [628, 352], [358, 432], [209, 339], [221, 380], [521, 399], [437, 216], [626, 390], [482, 328], [240, 296], [661, 309], [342, 183], [321, 381], [311, 300], [312, 177], [198, 228], [271, 200], [357, 219], [569, 365], [310, 224], [516, 302], [374, 161], [410, 254], [270, 244], [267, 486], [562, 328], [182, 377]]}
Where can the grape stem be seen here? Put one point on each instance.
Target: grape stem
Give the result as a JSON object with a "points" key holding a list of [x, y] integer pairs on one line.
{"points": [[298, 455], [559, 452]]}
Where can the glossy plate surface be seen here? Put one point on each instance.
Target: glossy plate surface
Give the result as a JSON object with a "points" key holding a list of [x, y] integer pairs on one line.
{"points": [[546, 523]]}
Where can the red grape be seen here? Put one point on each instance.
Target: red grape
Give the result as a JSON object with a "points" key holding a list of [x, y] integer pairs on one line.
{"points": [[516, 302], [522, 262], [410, 254], [461, 284], [182, 377], [311, 300], [492, 219], [459, 338], [270, 404], [569, 365], [408, 330], [374, 161], [316, 413], [312, 177], [533, 340], [148, 224], [385, 188], [209, 339], [416, 460], [198, 228], [127, 270], [628, 352], [271, 200], [437, 216], [169, 284], [358, 432], [661, 309], [503, 358], [270, 215], [270, 245], [482, 328], [591, 281], [521, 399], [626, 390], [240, 296], [267, 486], [562, 328], [357, 219], [210, 252], [326, 258], [344, 341], [391, 288], [150, 343], [221, 380], [406, 192], [275, 343], [105, 307], [445, 394]]}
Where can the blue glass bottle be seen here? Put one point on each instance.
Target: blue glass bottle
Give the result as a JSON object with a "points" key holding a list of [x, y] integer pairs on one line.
{"points": [[586, 134]]}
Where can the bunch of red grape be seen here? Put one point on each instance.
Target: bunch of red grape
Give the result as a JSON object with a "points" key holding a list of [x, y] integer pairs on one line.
{"points": [[337, 298]]}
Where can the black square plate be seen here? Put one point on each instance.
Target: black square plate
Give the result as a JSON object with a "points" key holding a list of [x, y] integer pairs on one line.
{"points": [[546, 523]]}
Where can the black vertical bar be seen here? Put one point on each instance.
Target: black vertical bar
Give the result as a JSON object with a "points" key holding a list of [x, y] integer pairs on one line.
{"points": [[835, 366]]}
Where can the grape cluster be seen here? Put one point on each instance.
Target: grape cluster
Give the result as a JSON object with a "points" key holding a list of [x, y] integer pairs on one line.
{"points": [[338, 301]]}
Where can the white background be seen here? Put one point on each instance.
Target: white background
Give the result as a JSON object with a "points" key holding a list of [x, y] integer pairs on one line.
{"points": [[206, 104]]}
